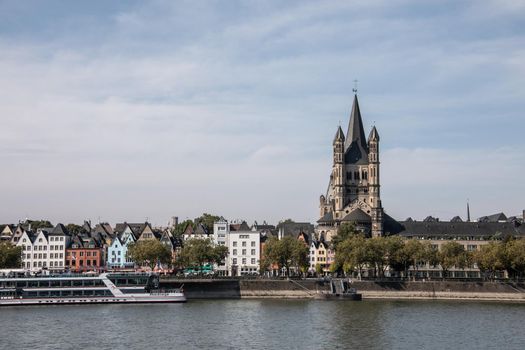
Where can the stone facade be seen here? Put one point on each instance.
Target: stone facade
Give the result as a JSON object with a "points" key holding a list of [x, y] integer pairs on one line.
{"points": [[353, 193]]}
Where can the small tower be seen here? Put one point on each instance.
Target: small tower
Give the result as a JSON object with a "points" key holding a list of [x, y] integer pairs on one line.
{"points": [[338, 168], [374, 184]]}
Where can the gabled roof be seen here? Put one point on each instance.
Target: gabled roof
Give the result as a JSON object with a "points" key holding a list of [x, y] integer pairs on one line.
{"points": [[493, 218], [339, 135], [374, 135], [328, 217], [60, 229], [358, 216], [188, 230], [456, 219], [201, 230], [449, 230], [356, 148], [243, 226]]}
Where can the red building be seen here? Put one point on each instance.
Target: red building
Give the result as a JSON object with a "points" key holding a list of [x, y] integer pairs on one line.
{"points": [[85, 254]]}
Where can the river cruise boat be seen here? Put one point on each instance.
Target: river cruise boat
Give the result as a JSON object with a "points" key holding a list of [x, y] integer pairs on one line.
{"points": [[86, 289]]}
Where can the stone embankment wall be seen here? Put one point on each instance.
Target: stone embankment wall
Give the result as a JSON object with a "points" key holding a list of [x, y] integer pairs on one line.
{"points": [[236, 289]]}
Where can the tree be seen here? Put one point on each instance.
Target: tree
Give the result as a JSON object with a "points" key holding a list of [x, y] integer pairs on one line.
{"points": [[452, 254], [207, 220], [490, 258], [10, 256], [74, 229], [351, 254], [345, 231], [149, 252], [515, 253], [286, 253], [197, 252], [178, 230], [36, 224]]}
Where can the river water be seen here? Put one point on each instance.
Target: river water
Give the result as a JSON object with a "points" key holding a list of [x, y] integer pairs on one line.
{"points": [[267, 324]]}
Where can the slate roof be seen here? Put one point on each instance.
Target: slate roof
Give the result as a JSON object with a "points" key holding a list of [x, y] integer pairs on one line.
{"points": [[358, 216], [327, 218], [339, 135], [60, 229], [356, 148], [243, 226], [374, 135], [451, 230], [294, 228], [493, 218]]}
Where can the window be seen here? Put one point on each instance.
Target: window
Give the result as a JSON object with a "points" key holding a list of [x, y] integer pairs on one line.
{"points": [[61, 255], [253, 243], [60, 262], [45, 256], [253, 251], [244, 252], [234, 261], [244, 243], [253, 261], [81, 253], [24, 240], [235, 244], [244, 261], [235, 252]]}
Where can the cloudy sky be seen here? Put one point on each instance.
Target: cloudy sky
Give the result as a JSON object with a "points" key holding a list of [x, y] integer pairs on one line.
{"points": [[147, 109]]}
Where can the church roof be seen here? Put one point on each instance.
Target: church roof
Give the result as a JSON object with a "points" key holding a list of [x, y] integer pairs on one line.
{"points": [[328, 217], [339, 135], [356, 149], [357, 215], [374, 135]]}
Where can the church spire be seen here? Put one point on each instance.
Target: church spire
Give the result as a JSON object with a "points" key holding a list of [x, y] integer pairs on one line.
{"points": [[355, 132]]}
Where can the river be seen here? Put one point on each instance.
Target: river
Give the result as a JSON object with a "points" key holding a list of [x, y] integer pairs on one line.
{"points": [[267, 324]]}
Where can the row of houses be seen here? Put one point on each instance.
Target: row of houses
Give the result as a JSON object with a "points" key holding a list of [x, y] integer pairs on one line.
{"points": [[90, 249]]}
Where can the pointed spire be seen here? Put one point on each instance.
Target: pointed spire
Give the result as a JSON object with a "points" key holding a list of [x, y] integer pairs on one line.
{"points": [[374, 135], [355, 127], [339, 136], [468, 212]]}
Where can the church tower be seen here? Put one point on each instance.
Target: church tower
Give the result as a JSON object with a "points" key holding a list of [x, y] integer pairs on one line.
{"points": [[353, 193]]}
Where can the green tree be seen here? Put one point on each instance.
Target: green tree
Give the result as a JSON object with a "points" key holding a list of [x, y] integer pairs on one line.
{"points": [[515, 254], [178, 230], [36, 224], [351, 254], [286, 253], [74, 229], [10, 256], [490, 258], [207, 220], [452, 254], [149, 252], [345, 231], [198, 252]]}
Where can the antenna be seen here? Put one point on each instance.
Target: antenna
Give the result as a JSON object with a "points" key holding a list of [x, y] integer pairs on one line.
{"points": [[355, 86]]}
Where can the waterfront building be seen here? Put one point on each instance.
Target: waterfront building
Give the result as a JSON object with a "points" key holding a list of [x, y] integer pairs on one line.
{"points": [[244, 250], [7, 232], [199, 231], [118, 250], [85, 254], [353, 193], [44, 250], [319, 255]]}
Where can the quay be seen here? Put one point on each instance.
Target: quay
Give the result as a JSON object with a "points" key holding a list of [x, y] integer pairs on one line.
{"points": [[312, 288]]}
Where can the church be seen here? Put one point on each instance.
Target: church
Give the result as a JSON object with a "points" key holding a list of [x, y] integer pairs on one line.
{"points": [[353, 194]]}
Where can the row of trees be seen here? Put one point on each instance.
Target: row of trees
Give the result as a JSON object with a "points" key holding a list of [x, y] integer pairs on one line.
{"points": [[354, 253], [287, 253]]}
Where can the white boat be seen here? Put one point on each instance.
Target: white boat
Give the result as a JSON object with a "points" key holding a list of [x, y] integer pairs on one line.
{"points": [[83, 289]]}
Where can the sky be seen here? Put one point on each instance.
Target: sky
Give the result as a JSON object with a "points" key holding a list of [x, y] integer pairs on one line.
{"points": [[142, 110]]}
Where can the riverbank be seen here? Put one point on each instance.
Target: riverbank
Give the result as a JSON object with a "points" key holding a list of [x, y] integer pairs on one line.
{"points": [[309, 289]]}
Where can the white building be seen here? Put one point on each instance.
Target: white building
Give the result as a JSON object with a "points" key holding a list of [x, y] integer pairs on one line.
{"points": [[244, 247], [44, 250]]}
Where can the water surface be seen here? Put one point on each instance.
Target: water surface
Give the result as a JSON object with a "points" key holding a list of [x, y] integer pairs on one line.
{"points": [[267, 324]]}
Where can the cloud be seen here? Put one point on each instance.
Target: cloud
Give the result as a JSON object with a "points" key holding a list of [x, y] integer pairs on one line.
{"points": [[177, 108]]}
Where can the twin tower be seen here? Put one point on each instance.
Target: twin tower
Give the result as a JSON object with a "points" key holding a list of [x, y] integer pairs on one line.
{"points": [[353, 193]]}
